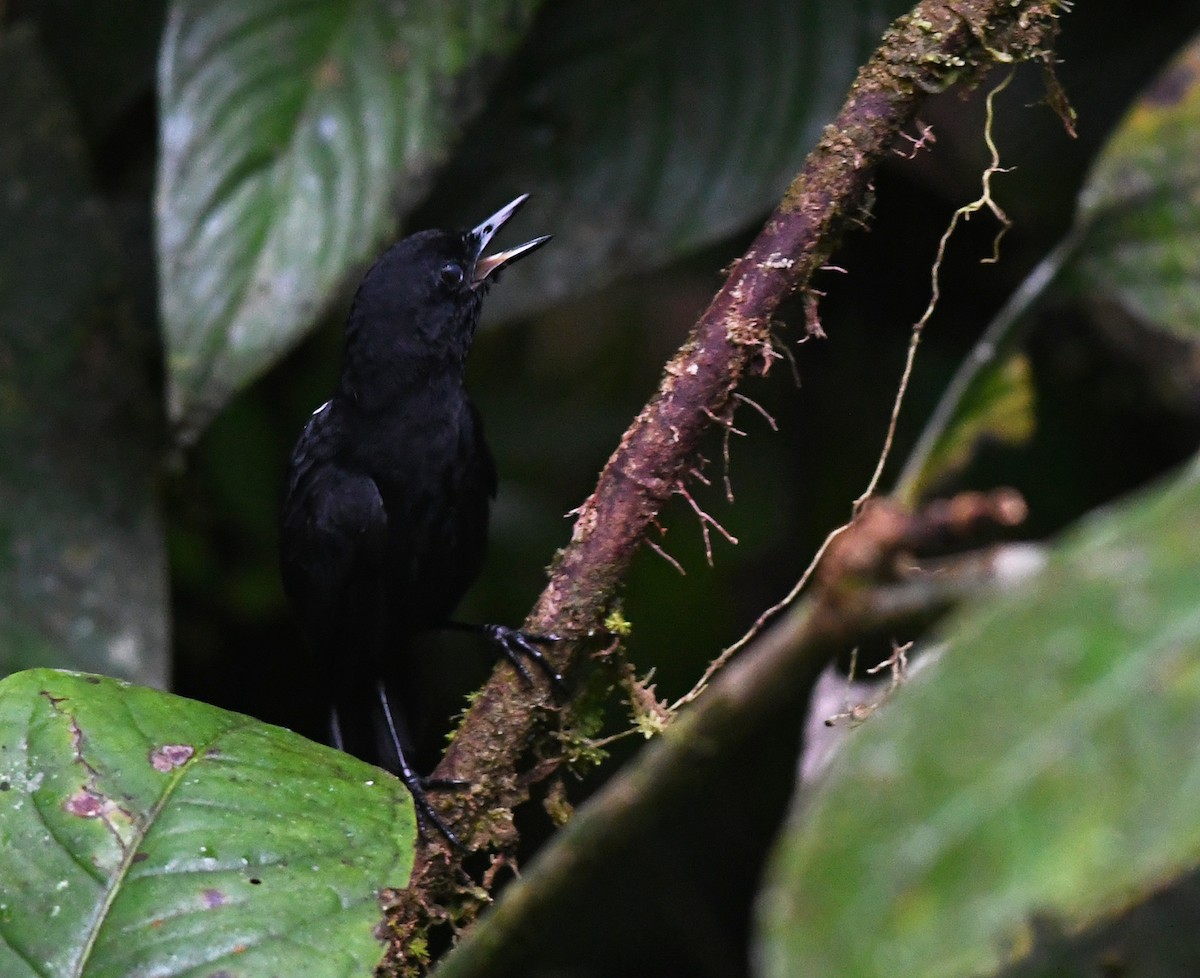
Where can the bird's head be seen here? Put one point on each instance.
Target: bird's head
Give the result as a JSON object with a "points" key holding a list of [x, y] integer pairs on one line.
{"points": [[422, 298]]}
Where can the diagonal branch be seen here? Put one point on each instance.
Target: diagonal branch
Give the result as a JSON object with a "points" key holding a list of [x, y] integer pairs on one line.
{"points": [[936, 45], [859, 597]]}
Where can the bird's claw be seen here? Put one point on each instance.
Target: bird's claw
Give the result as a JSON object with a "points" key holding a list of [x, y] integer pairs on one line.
{"points": [[517, 646], [444, 784], [426, 813]]}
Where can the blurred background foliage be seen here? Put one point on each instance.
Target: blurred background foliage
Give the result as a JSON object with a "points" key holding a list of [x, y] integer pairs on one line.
{"points": [[189, 191]]}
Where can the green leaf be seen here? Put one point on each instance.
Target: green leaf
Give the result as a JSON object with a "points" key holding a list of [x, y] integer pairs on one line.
{"points": [[82, 560], [290, 135], [999, 405], [645, 131], [1043, 769], [145, 834], [991, 393], [1141, 208]]}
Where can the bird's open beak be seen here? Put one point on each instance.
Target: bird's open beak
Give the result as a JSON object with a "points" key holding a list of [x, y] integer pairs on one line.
{"points": [[488, 265]]}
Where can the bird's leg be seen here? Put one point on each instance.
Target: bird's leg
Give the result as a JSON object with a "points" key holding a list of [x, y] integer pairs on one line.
{"points": [[417, 785], [336, 740], [517, 646]]}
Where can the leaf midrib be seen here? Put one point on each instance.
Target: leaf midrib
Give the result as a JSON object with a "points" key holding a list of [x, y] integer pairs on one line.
{"points": [[113, 886]]}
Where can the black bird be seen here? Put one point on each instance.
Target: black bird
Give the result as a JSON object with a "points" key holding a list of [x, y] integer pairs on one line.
{"points": [[384, 523]]}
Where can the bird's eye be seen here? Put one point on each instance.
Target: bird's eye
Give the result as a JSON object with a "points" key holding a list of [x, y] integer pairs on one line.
{"points": [[452, 275]]}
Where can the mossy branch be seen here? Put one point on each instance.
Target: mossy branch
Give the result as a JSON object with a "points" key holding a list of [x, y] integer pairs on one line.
{"points": [[936, 45], [860, 597]]}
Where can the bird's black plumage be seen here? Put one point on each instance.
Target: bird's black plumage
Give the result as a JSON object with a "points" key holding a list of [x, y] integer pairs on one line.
{"points": [[384, 521]]}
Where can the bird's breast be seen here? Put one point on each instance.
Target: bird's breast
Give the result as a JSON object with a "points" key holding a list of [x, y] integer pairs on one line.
{"points": [[436, 478]]}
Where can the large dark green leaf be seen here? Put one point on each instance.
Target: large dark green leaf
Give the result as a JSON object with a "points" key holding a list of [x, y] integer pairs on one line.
{"points": [[1141, 208], [145, 834], [290, 133], [646, 130], [1040, 774], [82, 563]]}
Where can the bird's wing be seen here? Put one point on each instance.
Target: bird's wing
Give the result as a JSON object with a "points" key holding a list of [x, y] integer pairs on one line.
{"points": [[333, 540]]}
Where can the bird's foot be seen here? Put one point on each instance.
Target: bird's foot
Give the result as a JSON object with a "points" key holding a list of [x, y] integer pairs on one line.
{"points": [[418, 785], [428, 815], [517, 646], [444, 784]]}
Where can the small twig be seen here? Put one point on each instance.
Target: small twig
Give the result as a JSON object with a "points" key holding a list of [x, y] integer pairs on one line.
{"points": [[603, 742], [724, 422], [918, 143], [859, 713], [665, 556], [791, 359], [739, 396], [705, 521], [729, 429], [813, 330], [897, 662], [856, 713]]}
